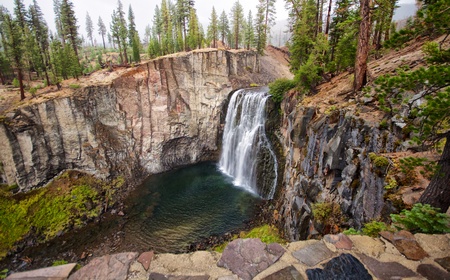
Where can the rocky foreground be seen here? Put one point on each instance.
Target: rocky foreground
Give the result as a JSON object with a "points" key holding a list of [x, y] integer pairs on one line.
{"points": [[392, 256]]}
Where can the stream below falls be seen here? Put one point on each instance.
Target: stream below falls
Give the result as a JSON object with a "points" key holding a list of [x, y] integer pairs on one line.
{"points": [[167, 213]]}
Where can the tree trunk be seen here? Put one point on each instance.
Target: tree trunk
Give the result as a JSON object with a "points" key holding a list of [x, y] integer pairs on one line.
{"points": [[362, 52], [103, 39], [22, 91], [437, 194], [327, 27]]}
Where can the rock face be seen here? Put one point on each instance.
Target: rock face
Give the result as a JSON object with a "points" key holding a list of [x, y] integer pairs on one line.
{"points": [[327, 159], [159, 115]]}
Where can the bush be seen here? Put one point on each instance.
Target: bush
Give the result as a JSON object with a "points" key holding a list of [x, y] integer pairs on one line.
{"points": [[379, 161], [279, 87], [59, 262], [351, 231], [74, 86], [328, 214], [422, 218], [373, 228], [16, 83]]}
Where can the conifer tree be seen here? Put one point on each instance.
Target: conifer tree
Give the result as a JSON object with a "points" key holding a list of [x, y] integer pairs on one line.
{"points": [[249, 34], [101, 30], [193, 36], [69, 24], [270, 12], [167, 43], [260, 29], [157, 23], [133, 35], [147, 34], [213, 28], [223, 27], [362, 51], [237, 14], [14, 44], [58, 21], [89, 28], [183, 14]]}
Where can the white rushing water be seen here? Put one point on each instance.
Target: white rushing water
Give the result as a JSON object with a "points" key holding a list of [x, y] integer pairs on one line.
{"points": [[244, 138]]}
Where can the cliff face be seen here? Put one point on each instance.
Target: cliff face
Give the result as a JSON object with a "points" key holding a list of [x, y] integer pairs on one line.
{"points": [[327, 160], [154, 117]]}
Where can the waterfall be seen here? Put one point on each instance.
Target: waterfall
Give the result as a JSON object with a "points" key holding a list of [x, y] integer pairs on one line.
{"points": [[247, 155]]}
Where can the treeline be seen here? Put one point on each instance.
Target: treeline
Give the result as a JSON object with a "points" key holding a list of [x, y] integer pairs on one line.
{"points": [[28, 46]]}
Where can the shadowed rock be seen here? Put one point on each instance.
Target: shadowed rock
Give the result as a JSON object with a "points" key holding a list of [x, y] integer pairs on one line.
{"points": [[343, 267], [159, 276], [430, 271], [287, 273], [59, 272], [313, 254], [248, 257], [444, 262], [386, 270]]}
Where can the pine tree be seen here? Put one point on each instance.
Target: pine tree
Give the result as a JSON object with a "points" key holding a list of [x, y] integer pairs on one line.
{"points": [[193, 36], [183, 14], [40, 30], [20, 14], [133, 35], [167, 43], [260, 26], [101, 30], [121, 31], [270, 12], [237, 14], [223, 27], [147, 34], [213, 28], [115, 33], [14, 44], [70, 29], [89, 28], [58, 21], [249, 34]]}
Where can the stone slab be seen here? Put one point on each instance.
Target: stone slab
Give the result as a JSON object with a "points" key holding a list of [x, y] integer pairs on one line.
{"points": [[59, 272], [145, 259], [340, 241], [444, 262], [313, 254], [430, 271], [345, 266], [406, 244], [248, 257], [287, 273], [160, 276], [386, 270], [107, 267]]}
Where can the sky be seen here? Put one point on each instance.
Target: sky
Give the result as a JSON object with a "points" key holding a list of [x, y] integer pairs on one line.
{"points": [[143, 10]]}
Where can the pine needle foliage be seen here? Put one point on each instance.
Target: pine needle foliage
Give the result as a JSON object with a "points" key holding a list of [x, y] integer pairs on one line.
{"points": [[422, 218]]}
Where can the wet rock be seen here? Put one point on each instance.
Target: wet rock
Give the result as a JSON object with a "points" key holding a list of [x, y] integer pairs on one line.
{"points": [[340, 241], [406, 244], [386, 270], [313, 254], [444, 262], [343, 267], [59, 272], [248, 257], [287, 273], [145, 259], [107, 267], [430, 271], [160, 276]]}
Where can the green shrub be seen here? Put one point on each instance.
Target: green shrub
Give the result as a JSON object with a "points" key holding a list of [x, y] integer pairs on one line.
{"points": [[378, 161], [16, 83], [59, 262], [4, 273], [383, 124], [351, 231], [329, 214], [279, 87], [422, 218], [74, 86], [373, 228]]}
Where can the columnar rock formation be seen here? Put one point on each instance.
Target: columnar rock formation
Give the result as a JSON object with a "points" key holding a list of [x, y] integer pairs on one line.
{"points": [[156, 116]]}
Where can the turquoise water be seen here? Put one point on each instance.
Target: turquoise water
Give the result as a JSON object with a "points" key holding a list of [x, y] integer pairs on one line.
{"points": [[172, 210]]}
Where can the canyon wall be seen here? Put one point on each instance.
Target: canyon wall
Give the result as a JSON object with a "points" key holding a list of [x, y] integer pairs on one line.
{"points": [[327, 160], [156, 116]]}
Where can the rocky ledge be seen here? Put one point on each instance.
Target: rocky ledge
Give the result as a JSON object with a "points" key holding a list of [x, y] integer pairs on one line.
{"points": [[392, 256]]}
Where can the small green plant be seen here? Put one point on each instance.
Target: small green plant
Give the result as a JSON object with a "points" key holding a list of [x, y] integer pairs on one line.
{"points": [[59, 262], [33, 90], [254, 85], [392, 184], [15, 83], [408, 165], [379, 161], [330, 110], [279, 87], [4, 273], [422, 218], [373, 228], [383, 124], [74, 86], [329, 214], [351, 231]]}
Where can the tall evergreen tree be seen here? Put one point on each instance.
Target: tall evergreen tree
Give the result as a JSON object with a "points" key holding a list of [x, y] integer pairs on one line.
{"points": [[213, 27], [58, 21], [193, 41], [223, 27], [89, 28], [237, 14], [101, 30], [122, 35], [260, 28], [167, 43], [362, 51], [270, 12], [40, 30], [15, 47], [20, 14], [70, 28], [249, 33], [133, 35]]}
